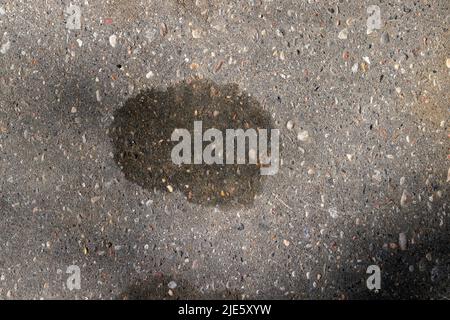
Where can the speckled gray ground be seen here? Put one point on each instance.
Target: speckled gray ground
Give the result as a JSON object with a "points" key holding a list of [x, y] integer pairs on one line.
{"points": [[365, 172]]}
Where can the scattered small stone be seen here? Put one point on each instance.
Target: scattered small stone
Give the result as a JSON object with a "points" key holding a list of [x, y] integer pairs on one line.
{"points": [[113, 40], [345, 55], [95, 199], [218, 65], [447, 62], [172, 285], [170, 292], [364, 66], [286, 242], [5, 47], [194, 66], [80, 42], [374, 21], [303, 135], [3, 128], [290, 125], [108, 21], [2, 11], [343, 34], [163, 29], [150, 34], [98, 96], [73, 110], [384, 38], [196, 33], [149, 75], [355, 68], [402, 241], [404, 198], [240, 227], [333, 213], [428, 256]]}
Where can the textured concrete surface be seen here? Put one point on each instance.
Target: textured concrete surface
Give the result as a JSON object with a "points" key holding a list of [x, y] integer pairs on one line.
{"points": [[364, 178]]}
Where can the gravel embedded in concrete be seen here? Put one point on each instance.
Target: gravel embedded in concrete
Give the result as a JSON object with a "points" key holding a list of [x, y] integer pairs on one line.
{"points": [[359, 106]]}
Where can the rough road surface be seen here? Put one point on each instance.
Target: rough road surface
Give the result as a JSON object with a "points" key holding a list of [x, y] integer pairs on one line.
{"points": [[360, 91]]}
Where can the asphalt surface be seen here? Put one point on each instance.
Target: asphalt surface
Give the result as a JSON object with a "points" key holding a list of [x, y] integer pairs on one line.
{"points": [[363, 112]]}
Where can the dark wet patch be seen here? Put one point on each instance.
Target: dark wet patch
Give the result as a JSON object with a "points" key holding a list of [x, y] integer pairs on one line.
{"points": [[141, 134]]}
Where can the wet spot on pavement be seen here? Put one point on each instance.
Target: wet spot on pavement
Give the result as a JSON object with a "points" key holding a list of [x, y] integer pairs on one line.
{"points": [[141, 135]]}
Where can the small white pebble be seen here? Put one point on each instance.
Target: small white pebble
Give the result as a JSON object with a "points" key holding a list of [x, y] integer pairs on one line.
{"points": [[113, 40], [333, 213], [196, 33], [5, 47], [172, 285], [404, 198], [343, 34], [98, 96], [303, 135], [402, 241], [290, 125]]}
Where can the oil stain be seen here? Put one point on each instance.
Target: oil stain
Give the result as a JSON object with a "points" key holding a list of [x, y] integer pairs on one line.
{"points": [[141, 134]]}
